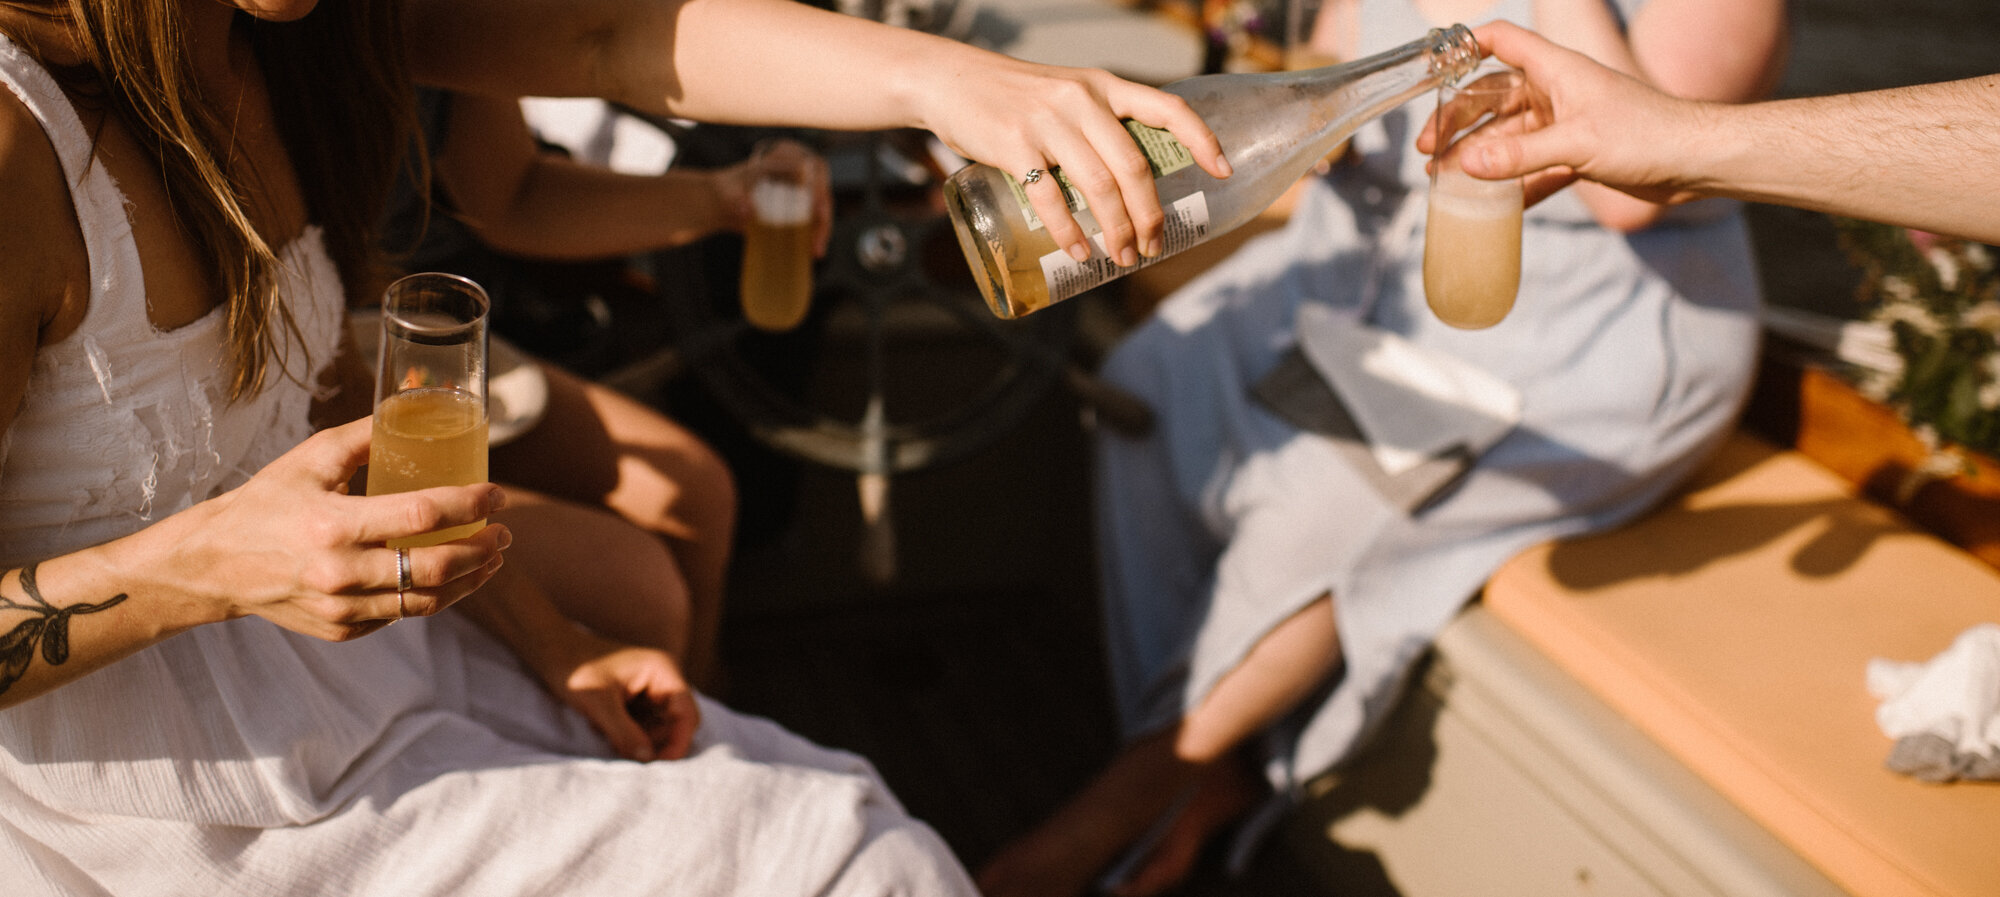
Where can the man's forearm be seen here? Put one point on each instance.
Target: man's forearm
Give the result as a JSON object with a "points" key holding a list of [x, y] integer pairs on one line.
{"points": [[1925, 156]]}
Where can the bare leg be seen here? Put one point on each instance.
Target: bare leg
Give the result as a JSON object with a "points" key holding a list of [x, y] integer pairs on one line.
{"points": [[1062, 856], [595, 446], [600, 571]]}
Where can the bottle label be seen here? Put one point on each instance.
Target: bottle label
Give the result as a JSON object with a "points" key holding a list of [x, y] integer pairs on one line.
{"points": [[1187, 225], [1164, 155]]}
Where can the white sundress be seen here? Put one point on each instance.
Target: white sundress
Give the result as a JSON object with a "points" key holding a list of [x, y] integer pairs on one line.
{"points": [[242, 759]]}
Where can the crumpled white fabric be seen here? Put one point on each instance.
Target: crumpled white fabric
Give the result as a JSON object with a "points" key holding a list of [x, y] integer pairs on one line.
{"points": [[1945, 712]]}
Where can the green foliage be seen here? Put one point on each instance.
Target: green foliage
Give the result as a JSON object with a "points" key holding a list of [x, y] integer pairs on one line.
{"points": [[1939, 298]]}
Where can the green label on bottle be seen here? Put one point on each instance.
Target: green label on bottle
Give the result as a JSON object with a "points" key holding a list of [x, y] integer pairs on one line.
{"points": [[1071, 196], [1164, 155]]}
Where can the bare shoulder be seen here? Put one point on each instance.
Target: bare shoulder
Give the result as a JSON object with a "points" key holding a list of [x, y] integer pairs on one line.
{"points": [[44, 268]]}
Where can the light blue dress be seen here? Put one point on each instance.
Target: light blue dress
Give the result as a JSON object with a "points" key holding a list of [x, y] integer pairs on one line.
{"points": [[1632, 354]]}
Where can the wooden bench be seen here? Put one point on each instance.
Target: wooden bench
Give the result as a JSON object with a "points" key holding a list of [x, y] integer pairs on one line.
{"points": [[1678, 707]]}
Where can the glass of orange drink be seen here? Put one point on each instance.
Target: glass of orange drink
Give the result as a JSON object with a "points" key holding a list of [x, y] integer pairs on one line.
{"points": [[430, 392]]}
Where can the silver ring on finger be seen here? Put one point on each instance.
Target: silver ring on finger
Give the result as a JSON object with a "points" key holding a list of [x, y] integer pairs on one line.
{"points": [[1034, 176], [403, 583]]}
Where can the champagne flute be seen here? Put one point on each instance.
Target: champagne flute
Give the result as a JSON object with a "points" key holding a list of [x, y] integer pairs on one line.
{"points": [[776, 284], [1472, 242], [430, 392]]}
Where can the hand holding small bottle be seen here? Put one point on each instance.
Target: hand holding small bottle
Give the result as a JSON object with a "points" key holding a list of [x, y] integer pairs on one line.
{"points": [[1072, 119], [1279, 124], [1562, 129], [1472, 242], [784, 230]]}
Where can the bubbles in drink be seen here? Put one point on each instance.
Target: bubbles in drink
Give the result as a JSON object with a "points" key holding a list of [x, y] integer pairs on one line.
{"points": [[1472, 242], [1472, 250], [428, 437]]}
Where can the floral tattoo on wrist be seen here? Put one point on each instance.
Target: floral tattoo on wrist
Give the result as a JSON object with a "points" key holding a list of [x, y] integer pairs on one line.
{"points": [[46, 629]]}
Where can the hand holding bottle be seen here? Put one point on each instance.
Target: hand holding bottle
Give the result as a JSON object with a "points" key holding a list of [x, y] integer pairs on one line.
{"points": [[1022, 117], [1279, 124], [783, 231]]}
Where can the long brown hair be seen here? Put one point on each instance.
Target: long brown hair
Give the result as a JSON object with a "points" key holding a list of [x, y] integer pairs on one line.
{"points": [[342, 99]]}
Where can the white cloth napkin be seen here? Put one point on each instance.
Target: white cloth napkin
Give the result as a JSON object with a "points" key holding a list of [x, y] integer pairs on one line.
{"points": [[1945, 712]]}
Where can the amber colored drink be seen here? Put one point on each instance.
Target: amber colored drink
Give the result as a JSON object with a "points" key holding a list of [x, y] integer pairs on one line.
{"points": [[1472, 251], [777, 256], [428, 437], [1276, 126]]}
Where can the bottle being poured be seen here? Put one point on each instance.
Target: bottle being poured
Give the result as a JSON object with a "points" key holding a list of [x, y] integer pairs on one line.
{"points": [[1273, 126]]}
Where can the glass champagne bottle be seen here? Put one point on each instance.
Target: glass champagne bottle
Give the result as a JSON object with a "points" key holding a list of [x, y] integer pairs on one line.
{"points": [[1273, 127]]}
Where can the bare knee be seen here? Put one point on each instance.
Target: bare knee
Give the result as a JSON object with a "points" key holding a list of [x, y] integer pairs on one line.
{"points": [[603, 572], [678, 488]]}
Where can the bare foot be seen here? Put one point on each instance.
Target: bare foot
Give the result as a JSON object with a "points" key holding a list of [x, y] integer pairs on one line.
{"points": [[1227, 791]]}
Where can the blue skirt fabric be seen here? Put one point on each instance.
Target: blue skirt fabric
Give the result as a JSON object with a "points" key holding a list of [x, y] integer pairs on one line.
{"points": [[1632, 353]]}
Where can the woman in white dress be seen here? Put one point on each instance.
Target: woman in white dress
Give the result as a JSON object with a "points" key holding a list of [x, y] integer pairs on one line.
{"points": [[200, 689]]}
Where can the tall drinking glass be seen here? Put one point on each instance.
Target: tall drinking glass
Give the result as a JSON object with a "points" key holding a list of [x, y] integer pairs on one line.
{"points": [[1472, 243], [430, 392], [777, 241]]}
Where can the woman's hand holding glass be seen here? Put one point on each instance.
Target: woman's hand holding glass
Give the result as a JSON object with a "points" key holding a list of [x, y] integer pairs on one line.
{"points": [[292, 546]]}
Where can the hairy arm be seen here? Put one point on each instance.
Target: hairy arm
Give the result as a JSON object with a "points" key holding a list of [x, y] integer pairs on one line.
{"points": [[1926, 156]]}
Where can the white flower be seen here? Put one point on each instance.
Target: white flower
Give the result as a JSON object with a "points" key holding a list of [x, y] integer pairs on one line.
{"points": [[1978, 256], [1946, 265], [1877, 385], [1984, 315], [1906, 311], [1897, 289], [1989, 388]]}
